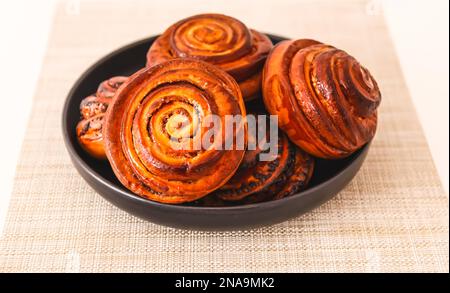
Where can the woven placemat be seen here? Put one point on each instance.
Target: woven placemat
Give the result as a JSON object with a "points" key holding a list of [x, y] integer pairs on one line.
{"points": [[392, 217]]}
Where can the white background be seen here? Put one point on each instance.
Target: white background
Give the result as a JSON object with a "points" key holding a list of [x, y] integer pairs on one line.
{"points": [[419, 30]]}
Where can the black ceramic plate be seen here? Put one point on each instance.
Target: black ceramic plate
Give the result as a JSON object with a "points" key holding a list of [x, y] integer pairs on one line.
{"points": [[330, 176]]}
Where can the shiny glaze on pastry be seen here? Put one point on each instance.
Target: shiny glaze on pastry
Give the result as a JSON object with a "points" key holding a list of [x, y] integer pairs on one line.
{"points": [[107, 89], [148, 148], [92, 110], [326, 101], [256, 180], [220, 40]]}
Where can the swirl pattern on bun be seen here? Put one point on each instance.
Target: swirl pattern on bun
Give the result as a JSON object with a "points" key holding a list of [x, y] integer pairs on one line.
{"points": [[157, 118], [326, 101], [220, 40]]}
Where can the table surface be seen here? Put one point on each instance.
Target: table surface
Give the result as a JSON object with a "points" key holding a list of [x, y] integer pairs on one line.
{"points": [[427, 80]]}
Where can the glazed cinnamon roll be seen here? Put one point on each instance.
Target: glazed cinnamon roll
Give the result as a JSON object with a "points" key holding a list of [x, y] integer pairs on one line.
{"points": [[92, 110], [155, 131], [287, 172], [220, 40], [108, 88], [325, 100], [92, 106], [89, 133]]}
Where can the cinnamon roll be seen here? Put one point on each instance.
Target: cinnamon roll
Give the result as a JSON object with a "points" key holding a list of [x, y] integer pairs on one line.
{"points": [[108, 88], [326, 101], [158, 116], [92, 110], [220, 40], [287, 172], [89, 134]]}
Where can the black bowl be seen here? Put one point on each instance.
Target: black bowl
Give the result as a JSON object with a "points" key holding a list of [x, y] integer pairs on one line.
{"points": [[329, 177]]}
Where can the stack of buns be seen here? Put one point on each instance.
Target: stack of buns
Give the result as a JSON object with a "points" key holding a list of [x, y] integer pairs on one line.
{"points": [[211, 64]]}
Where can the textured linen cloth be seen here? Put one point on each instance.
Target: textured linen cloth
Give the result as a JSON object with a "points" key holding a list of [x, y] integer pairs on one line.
{"points": [[393, 217]]}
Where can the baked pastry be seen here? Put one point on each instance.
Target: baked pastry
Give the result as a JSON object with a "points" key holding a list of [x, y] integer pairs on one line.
{"points": [[256, 180], [220, 40], [108, 88], [325, 100], [89, 134], [92, 110], [158, 116]]}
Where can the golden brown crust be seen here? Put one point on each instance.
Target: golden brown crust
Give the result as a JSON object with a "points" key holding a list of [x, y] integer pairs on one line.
{"points": [[92, 106], [294, 178], [92, 110], [220, 40], [108, 88], [89, 134], [325, 100], [149, 152], [257, 180], [251, 87], [254, 175]]}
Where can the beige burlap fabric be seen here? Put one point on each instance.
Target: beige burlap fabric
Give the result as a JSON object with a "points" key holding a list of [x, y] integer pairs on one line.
{"points": [[392, 217]]}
